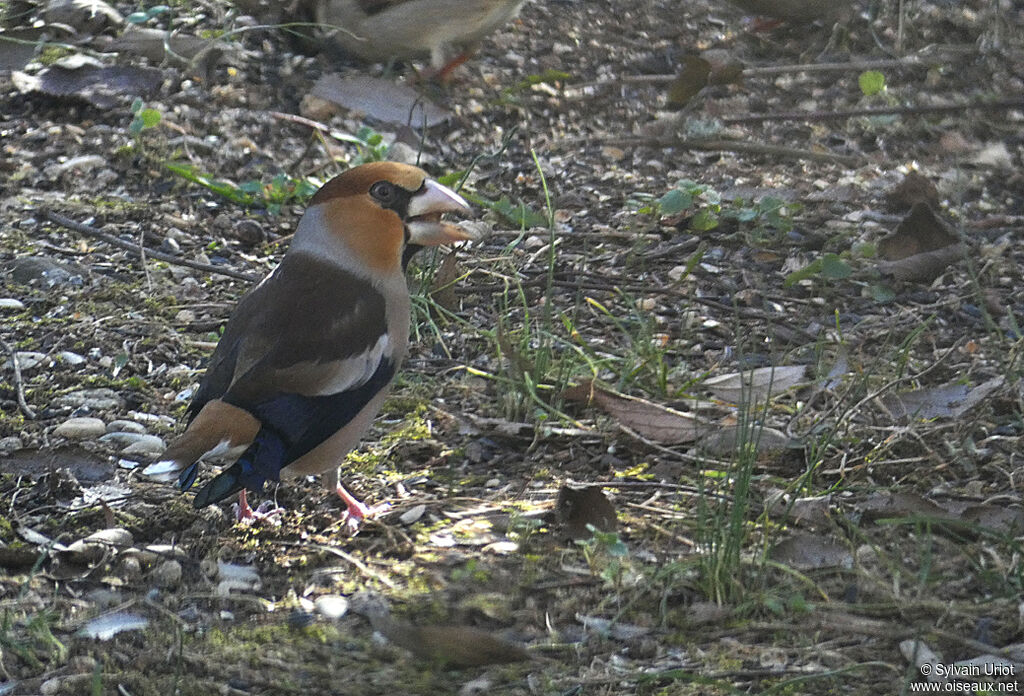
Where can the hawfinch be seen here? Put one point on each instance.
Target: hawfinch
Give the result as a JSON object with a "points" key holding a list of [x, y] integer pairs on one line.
{"points": [[385, 30], [306, 359]]}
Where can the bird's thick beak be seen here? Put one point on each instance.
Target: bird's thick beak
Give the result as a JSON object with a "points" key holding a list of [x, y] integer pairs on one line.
{"points": [[426, 228]]}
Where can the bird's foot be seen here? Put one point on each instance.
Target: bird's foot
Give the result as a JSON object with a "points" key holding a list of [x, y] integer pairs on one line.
{"points": [[356, 511], [267, 511]]}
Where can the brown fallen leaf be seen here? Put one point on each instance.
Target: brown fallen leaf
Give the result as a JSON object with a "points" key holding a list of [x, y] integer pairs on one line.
{"points": [[579, 506], [380, 99], [712, 67], [451, 646], [920, 231], [950, 517], [811, 552], [103, 87], [755, 386], [944, 401], [692, 78], [442, 289], [658, 423], [915, 188], [924, 267]]}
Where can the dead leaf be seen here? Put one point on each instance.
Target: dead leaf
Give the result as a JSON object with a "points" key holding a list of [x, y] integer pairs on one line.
{"points": [[612, 629], [920, 231], [951, 517], [754, 386], [915, 188], [945, 401], [692, 78], [452, 646], [18, 47], [809, 552], [924, 267], [103, 87], [579, 506], [442, 289], [998, 518], [994, 155], [723, 440], [199, 55], [658, 423], [84, 16], [895, 505], [381, 100], [154, 43]]}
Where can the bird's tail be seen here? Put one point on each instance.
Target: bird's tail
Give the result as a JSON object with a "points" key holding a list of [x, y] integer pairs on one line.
{"points": [[260, 463], [218, 428]]}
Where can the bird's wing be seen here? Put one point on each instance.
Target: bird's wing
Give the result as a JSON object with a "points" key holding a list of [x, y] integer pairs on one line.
{"points": [[310, 328], [310, 357]]}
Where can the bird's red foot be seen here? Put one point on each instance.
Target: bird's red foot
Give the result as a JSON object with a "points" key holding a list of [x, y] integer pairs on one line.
{"points": [[244, 514], [356, 511]]}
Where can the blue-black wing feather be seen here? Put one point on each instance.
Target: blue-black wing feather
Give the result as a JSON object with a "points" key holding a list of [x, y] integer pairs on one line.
{"points": [[293, 425]]}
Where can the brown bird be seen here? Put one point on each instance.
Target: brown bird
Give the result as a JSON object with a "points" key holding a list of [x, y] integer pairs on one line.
{"points": [[307, 357], [386, 30]]}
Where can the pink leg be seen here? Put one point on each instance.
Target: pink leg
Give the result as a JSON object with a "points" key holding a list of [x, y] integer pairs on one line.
{"points": [[246, 515], [356, 511]]}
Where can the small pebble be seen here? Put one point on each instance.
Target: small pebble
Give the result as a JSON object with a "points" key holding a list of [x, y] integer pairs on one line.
{"points": [[27, 360], [248, 232], [190, 289], [11, 304], [167, 575], [10, 444], [331, 607], [70, 358], [125, 426], [102, 399], [131, 567], [412, 514], [170, 246], [145, 444], [80, 428]]}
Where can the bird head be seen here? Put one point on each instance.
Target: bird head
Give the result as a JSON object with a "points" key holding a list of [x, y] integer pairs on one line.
{"points": [[384, 212]]}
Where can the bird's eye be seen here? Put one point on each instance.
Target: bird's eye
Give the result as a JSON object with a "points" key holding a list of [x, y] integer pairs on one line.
{"points": [[383, 191]]}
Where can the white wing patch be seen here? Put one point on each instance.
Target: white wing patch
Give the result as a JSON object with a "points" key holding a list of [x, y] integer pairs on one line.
{"points": [[342, 375], [167, 470]]}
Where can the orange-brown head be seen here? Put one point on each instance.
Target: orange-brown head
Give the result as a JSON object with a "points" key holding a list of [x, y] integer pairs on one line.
{"points": [[382, 212]]}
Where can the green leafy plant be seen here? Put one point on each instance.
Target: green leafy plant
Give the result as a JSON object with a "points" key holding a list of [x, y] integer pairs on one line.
{"points": [[144, 16], [370, 145], [142, 118], [548, 77], [606, 555], [703, 209], [517, 214], [829, 266], [871, 82], [280, 190]]}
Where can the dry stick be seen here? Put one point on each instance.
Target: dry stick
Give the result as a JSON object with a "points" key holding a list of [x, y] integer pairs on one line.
{"points": [[886, 111], [19, 385], [140, 251], [728, 145], [767, 71]]}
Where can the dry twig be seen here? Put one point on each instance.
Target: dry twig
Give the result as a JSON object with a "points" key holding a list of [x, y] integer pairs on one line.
{"points": [[140, 251]]}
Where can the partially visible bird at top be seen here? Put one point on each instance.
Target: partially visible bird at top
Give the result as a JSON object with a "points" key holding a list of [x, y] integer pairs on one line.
{"points": [[308, 354], [388, 30]]}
